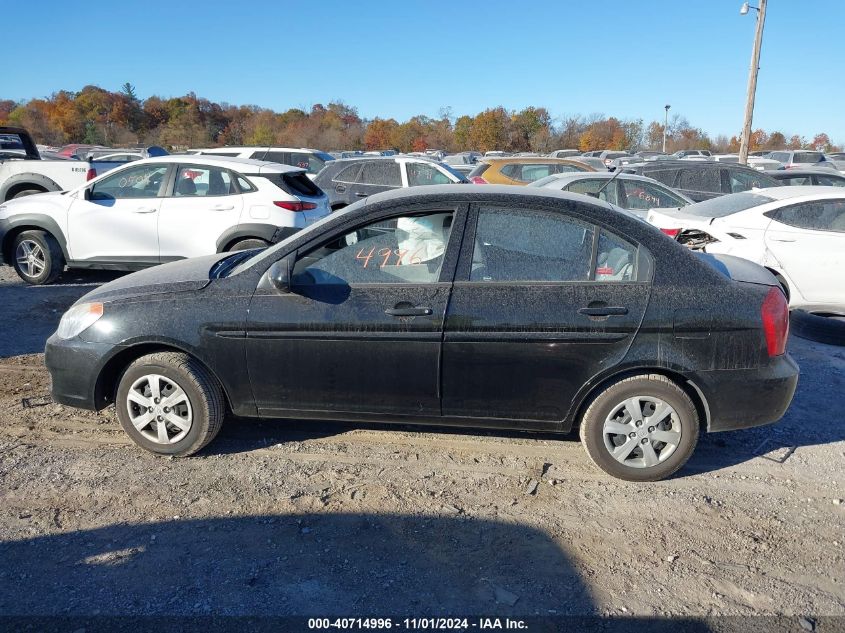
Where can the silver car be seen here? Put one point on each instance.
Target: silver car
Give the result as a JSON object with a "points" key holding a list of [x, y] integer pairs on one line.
{"points": [[631, 192]]}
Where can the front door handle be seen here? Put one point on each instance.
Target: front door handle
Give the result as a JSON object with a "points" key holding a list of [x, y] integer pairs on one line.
{"points": [[604, 311], [781, 239], [144, 210], [406, 312], [361, 194]]}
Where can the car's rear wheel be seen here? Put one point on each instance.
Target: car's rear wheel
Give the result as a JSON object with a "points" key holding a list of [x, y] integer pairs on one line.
{"points": [[822, 327], [169, 404], [38, 257], [245, 245], [642, 428]]}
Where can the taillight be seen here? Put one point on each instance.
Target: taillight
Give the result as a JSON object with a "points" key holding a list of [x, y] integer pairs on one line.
{"points": [[775, 313], [478, 180], [92, 173], [673, 233], [296, 206]]}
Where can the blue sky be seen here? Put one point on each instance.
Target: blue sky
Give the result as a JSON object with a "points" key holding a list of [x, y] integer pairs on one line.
{"points": [[626, 58]]}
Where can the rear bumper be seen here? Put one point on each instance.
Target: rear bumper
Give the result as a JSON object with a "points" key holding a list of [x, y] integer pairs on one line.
{"points": [[743, 398]]}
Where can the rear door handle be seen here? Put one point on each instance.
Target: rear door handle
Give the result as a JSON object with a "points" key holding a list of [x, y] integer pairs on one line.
{"points": [[401, 312], [604, 311], [144, 210], [361, 194], [222, 207], [781, 239]]}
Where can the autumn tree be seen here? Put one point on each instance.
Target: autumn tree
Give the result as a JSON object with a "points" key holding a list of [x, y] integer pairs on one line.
{"points": [[490, 130], [378, 133]]}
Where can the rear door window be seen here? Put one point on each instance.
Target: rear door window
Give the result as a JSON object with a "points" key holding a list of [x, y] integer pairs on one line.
{"points": [[619, 260], [194, 181], [830, 181], [384, 173], [739, 181], [530, 245], [425, 174], [822, 215], [308, 161], [272, 157], [646, 195], [700, 180], [666, 176], [591, 186]]}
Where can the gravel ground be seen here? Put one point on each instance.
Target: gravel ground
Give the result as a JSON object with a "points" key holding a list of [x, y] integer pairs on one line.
{"points": [[305, 518]]}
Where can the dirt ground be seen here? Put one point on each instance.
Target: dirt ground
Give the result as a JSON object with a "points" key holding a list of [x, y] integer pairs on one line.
{"points": [[297, 517]]}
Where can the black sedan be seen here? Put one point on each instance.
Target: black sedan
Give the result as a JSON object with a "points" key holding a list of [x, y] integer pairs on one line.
{"points": [[481, 306]]}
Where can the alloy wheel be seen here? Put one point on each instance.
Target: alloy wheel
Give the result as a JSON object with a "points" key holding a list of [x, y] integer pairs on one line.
{"points": [[31, 258], [642, 431], [159, 409]]}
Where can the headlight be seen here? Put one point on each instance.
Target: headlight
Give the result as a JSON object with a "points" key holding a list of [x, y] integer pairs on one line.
{"points": [[78, 319]]}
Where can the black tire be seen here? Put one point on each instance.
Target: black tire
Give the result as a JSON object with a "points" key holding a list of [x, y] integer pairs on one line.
{"points": [[645, 386], [338, 207], [829, 329], [48, 252], [27, 192], [203, 392], [245, 245]]}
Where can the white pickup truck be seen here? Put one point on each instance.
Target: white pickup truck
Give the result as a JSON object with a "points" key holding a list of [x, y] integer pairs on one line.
{"points": [[24, 172]]}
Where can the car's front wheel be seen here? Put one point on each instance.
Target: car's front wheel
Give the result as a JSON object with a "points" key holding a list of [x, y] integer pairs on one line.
{"points": [[642, 428], [38, 257], [169, 404]]}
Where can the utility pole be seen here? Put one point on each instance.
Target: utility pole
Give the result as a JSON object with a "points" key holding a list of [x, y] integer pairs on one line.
{"points": [[752, 78], [665, 126]]}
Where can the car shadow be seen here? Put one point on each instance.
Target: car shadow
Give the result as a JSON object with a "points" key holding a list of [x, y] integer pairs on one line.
{"points": [[242, 435], [351, 565]]}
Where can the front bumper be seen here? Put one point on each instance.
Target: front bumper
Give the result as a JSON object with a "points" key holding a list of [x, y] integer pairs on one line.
{"points": [[743, 398], [74, 367]]}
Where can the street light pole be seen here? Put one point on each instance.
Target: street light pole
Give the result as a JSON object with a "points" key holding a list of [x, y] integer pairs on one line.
{"points": [[752, 78], [665, 125]]}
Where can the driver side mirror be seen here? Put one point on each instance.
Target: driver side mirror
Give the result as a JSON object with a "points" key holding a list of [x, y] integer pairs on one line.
{"points": [[280, 274], [87, 193]]}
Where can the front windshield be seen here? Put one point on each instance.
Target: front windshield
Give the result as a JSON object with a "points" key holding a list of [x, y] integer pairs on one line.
{"points": [[724, 206], [268, 252]]}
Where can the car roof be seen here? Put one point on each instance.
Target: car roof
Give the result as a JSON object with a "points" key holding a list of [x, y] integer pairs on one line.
{"points": [[525, 159], [405, 157], [603, 175], [786, 193], [785, 173], [246, 148], [228, 162], [470, 192]]}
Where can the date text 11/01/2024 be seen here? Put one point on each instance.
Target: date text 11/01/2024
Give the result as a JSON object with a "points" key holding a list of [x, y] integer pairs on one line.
{"points": [[435, 624]]}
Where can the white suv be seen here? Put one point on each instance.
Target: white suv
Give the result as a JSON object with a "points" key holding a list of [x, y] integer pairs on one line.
{"points": [[311, 160], [157, 210]]}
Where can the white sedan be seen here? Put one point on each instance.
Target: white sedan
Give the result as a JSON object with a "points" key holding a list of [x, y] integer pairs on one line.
{"points": [[796, 232]]}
